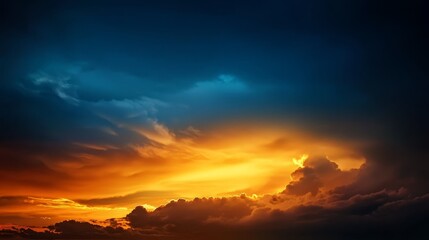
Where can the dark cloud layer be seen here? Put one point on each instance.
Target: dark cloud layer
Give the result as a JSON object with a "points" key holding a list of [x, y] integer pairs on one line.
{"points": [[379, 215], [332, 214]]}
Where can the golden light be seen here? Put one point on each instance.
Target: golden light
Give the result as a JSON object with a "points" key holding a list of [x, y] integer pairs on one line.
{"points": [[223, 161], [300, 162]]}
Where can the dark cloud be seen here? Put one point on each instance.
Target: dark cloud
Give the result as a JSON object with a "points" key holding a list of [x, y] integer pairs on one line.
{"points": [[376, 215], [318, 172], [383, 214], [190, 213], [359, 220], [72, 229]]}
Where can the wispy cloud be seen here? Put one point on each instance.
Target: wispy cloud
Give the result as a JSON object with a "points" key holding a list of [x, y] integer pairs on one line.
{"points": [[60, 84]]}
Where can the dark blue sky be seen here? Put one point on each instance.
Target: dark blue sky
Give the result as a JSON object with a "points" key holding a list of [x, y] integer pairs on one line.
{"points": [[297, 59]]}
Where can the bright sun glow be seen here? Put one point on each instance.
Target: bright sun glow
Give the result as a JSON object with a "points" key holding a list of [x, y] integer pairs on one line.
{"points": [[300, 162]]}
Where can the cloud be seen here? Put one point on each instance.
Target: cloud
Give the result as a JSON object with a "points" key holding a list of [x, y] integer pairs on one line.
{"points": [[72, 229], [43, 211], [60, 83], [190, 213], [332, 212], [131, 200], [363, 215], [383, 214], [318, 172], [223, 84], [137, 115]]}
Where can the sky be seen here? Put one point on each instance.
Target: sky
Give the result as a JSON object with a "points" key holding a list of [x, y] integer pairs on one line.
{"points": [[214, 119]]}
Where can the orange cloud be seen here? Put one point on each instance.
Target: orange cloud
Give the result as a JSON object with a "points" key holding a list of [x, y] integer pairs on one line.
{"points": [[333, 214], [219, 161]]}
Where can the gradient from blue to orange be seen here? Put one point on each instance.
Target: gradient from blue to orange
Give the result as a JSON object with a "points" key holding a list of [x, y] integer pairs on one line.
{"points": [[107, 105]]}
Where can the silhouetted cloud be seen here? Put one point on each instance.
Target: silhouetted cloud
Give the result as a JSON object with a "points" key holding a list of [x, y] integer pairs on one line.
{"points": [[190, 213], [316, 173], [383, 214]]}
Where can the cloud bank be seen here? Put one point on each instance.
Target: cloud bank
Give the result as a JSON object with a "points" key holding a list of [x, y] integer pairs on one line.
{"points": [[328, 212]]}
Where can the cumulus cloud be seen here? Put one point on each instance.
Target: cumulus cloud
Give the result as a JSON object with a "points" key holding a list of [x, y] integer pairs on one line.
{"points": [[378, 215], [190, 213], [371, 215], [318, 172]]}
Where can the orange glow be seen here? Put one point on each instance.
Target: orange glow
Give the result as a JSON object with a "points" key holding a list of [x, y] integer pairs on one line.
{"points": [[223, 161], [300, 162]]}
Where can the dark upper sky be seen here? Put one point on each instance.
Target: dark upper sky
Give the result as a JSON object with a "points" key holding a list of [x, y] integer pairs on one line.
{"points": [[84, 71], [354, 62], [294, 57]]}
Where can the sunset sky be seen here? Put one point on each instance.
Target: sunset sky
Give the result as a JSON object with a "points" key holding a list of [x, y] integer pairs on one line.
{"points": [[214, 119]]}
